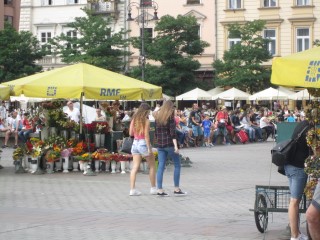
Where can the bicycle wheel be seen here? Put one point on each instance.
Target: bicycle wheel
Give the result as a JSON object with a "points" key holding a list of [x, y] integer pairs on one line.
{"points": [[261, 214]]}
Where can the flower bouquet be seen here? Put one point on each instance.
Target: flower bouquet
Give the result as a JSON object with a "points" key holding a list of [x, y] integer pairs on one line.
{"points": [[86, 157], [18, 153], [54, 154], [34, 147]]}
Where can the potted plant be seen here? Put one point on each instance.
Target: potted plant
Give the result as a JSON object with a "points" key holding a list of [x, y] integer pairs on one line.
{"points": [[85, 158]]}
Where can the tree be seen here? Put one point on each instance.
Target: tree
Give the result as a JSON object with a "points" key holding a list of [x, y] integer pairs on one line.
{"points": [[18, 53], [91, 41], [241, 65], [176, 42]]}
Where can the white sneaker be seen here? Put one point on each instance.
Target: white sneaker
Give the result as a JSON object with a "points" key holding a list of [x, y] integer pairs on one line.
{"points": [[211, 145], [134, 192], [153, 191], [300, 237]]}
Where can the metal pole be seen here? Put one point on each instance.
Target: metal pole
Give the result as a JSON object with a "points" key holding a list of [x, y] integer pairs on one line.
{"points": [[142, 45]]}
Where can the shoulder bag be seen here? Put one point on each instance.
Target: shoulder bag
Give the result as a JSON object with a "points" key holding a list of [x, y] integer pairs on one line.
{"points": [[127, 145], [284, 150]]}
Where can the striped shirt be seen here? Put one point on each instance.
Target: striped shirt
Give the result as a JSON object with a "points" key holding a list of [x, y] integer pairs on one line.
{"points": [[165, 134]]}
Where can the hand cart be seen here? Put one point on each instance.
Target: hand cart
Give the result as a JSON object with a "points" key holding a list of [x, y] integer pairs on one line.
{"points": [[272, 199]]}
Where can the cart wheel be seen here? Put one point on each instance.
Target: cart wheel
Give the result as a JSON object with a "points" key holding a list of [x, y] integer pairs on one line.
{"points": [[261, 214]]}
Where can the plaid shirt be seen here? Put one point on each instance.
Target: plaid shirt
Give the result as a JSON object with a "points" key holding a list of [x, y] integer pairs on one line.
{"points": [[165, 134]]}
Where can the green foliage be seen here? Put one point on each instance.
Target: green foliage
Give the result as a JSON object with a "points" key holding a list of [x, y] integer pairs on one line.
{"points": [[241, 65], [94, 43], [18, 53], [174, 46], [316, 43]]}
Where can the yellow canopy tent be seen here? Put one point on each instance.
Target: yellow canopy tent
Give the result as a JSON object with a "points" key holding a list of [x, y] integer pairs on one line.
{"points": [[84, 79], [80, 80], [300, 69], [4, 92]]}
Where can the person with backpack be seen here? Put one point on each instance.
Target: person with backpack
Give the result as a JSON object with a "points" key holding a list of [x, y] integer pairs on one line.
{"points": [[297, 177]]}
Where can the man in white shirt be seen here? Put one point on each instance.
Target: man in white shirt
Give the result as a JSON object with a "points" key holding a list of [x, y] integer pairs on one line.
{"points": [[72, 112], [14, 126]]}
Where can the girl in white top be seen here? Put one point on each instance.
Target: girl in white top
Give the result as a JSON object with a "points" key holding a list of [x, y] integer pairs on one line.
{"points": [[267, 125]]}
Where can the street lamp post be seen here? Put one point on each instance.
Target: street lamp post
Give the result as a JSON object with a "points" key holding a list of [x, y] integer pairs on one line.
{"points": [[143, 17]]}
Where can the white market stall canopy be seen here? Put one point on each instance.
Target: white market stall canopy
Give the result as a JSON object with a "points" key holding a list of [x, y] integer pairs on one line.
{"points": [[215, 91], [301, 95], [232, 94], [195, 94], [269, 94]]}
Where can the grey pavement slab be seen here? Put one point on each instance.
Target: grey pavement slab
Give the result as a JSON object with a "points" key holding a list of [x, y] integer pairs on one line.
{"points": [[220, 185]]}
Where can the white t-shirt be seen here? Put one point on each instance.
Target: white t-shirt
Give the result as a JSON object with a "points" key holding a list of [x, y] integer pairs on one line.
{"points": [[14, 121], [74, 114], [263, 123]]}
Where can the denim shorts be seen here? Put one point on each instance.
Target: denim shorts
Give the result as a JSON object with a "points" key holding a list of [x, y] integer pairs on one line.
{"points": [[197, 130], [139, 146], [316, 197], [297, 180]]}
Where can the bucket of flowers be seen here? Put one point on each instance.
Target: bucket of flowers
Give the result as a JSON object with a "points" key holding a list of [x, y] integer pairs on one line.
{"points": [[84, 159], [17, 156]]}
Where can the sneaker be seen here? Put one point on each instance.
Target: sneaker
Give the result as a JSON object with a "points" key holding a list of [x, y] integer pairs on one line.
{"points": [[134, 192], [300, 237], [162, 194], [15, 146], [4, 146], [206, 145], [153, 191], [179, 193]]}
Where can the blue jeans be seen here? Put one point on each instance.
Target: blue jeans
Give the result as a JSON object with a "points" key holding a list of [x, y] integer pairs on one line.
{"points": [[223, 131], [251, 132], [162, 158], [181, 136], [24, 135], [297, 180]]}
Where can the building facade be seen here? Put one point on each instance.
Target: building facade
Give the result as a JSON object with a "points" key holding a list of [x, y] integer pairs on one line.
{"points": [[10, 12], [202, 10], [47, 19], [291, 25]]}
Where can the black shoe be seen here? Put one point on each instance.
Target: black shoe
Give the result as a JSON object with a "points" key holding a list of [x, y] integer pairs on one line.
{"points": [[4, 146], [162, 194], [179, 193], [15, 146]]}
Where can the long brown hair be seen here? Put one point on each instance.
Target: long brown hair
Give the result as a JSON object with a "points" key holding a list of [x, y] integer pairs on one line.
{"points": [[165, 112], [140, 117]]}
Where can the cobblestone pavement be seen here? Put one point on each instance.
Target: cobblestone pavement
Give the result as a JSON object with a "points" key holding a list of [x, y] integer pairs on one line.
{"points": [[220, 185]]}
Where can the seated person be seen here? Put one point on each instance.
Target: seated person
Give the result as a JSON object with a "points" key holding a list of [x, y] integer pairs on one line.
{"points": [[220, 125], [3, 127], [266, 124], [245, 120], [27, 128], [291, 117], [255, 125], [14, 126]]}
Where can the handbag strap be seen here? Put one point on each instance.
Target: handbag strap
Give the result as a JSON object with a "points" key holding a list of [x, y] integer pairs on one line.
{"points": [[300, 133]]}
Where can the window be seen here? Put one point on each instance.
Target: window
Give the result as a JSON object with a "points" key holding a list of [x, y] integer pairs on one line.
{"points": [[233, 39], [44, 40], [193, 2], [72, 34], [73, 1], [303, 39], [8, 19], [145, 3], [269, 3], [303, 2], [234, 4], [271, 35], [47, 2], [7, 2], [147, 35]]}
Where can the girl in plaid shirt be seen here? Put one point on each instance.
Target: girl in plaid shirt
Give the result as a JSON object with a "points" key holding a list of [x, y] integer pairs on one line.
{"points": [[165, 132]]}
